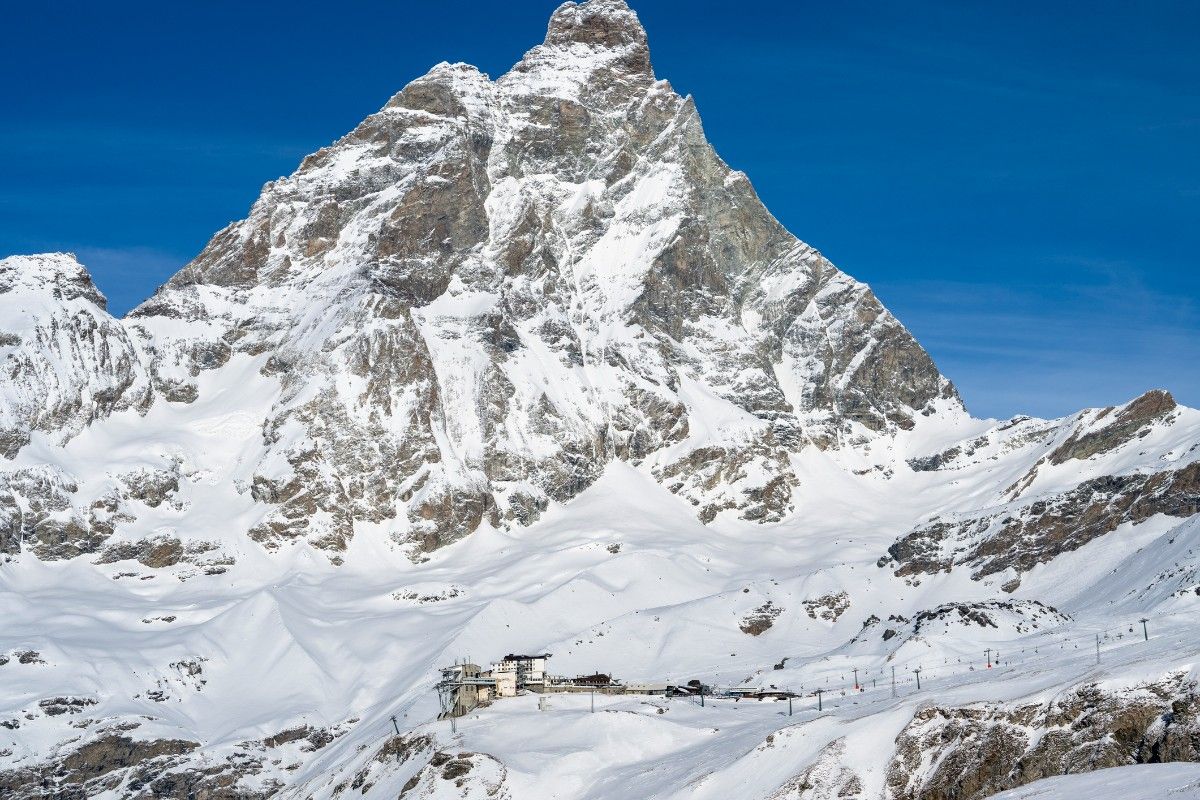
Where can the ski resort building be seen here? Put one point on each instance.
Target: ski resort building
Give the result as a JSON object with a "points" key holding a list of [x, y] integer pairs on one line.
{"points": [[598, 683], [506, 683], [528, 672], [596, 680], [464, 687], [646, 687]]}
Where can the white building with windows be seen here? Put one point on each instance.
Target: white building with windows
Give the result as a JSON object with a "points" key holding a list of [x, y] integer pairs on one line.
{"points": [[516, 672]]}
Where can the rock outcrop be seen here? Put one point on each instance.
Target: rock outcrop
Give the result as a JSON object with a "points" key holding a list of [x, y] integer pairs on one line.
{"points": [[112, 762], [1108, 431], [827, 778], [973, 752], [1021, 537]]}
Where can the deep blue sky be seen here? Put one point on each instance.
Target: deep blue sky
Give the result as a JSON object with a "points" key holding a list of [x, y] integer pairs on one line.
{"points": [[1020, 185]]}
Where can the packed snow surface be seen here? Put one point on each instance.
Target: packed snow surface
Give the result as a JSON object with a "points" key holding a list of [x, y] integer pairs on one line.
{"points": [[522, 366], [1141, 782]]}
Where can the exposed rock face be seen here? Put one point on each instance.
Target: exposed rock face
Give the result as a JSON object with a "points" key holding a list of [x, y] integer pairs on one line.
{"points": [[116, 761], [107, 763], [753, 479], [38, 512], [828, 607], [973, 752], [152, 487], [1003, 619], [1031, 615], [487, 291], [1020, 538], [396, 752], [461, 313], [760, 619], [65, 361], [470, 775], [1109, 431], [314, 739], [54, 706], [827, 778], [154, 553]]}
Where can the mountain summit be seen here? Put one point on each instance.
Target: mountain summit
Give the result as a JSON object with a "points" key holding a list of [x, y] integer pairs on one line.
{"points": [[488, 290], [521, 365], [606, 25]]}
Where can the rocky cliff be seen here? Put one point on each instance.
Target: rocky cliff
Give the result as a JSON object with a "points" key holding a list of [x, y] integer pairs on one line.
{"points": [[522, 363], [487, 291]]}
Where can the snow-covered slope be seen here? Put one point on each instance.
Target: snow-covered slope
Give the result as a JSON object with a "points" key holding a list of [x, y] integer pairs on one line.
{"points": [[1173, 782], [521, 364], [67, 361]]}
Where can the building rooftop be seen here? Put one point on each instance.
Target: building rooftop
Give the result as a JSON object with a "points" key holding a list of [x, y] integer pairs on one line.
{"points": [[598, 677], [512, 657]]}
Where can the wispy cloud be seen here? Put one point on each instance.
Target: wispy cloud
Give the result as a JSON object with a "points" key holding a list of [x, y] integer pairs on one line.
{"points": [[1050, 350]]}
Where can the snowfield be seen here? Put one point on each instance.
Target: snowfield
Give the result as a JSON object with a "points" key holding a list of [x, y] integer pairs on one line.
{"points": [[1142, 782], [522, 366], [288, 640]]}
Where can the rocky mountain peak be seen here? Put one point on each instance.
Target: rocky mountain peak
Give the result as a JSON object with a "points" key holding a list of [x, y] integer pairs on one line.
{"points": [[600, 24], [66, 362], [473, 302], [589, 48], [57, 276], [540, 315]]}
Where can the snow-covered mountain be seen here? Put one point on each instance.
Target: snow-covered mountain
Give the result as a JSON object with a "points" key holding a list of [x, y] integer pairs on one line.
{"points": [[518, 364]]}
